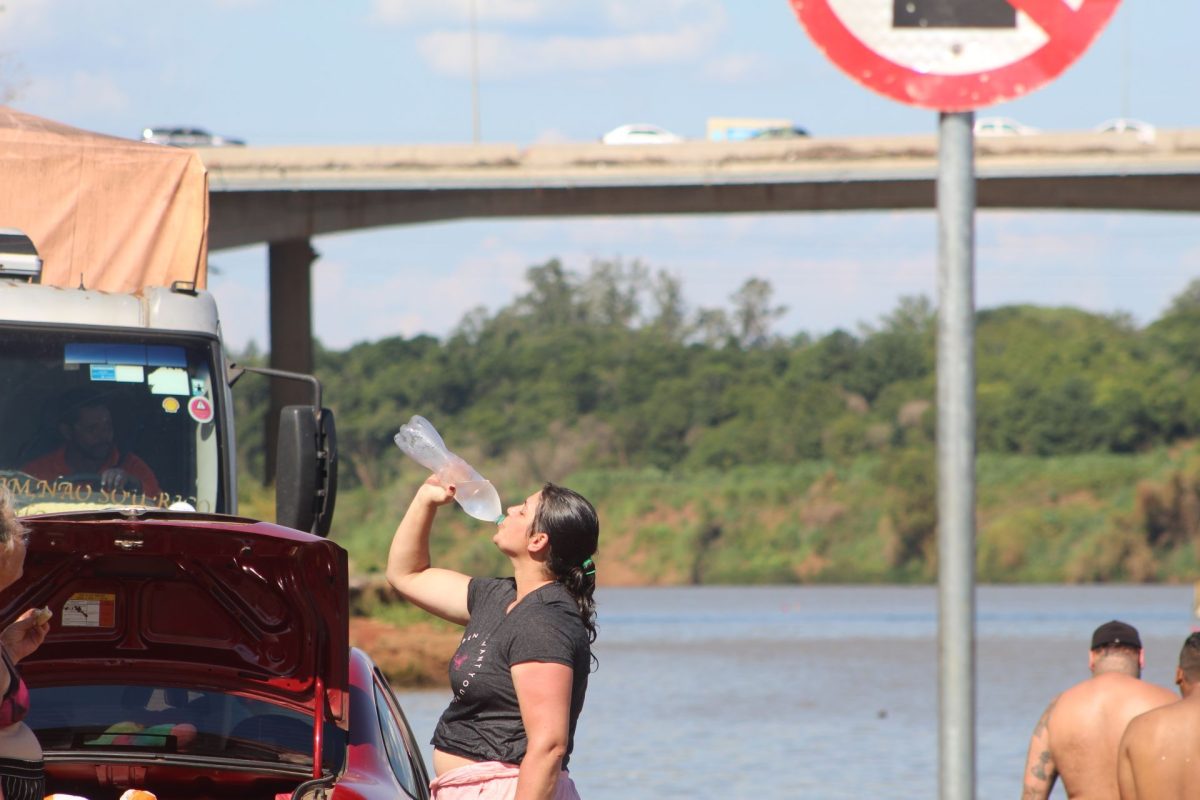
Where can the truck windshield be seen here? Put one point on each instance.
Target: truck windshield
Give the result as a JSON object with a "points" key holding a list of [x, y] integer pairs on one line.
{"points": [[105, 419]]}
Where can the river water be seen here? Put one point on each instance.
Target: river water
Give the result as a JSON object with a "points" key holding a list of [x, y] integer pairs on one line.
{"points": [[826, 692]]}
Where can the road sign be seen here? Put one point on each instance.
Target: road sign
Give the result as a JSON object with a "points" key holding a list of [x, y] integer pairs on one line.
{"points": [[953, 55]]}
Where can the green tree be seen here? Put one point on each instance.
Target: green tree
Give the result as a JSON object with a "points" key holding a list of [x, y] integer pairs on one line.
{"points": [[753, 314], [610, 293], [669, 318], [552, 300], [901, 349]]}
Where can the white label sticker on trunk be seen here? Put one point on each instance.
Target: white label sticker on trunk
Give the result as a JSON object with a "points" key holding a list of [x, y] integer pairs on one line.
{"points": [[89, 610]]}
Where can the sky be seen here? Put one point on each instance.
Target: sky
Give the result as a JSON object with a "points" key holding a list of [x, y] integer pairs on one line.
{"points": [[303, 72]]}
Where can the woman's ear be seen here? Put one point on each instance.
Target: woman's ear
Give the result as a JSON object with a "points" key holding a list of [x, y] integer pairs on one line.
{"points": [[539, 542]]}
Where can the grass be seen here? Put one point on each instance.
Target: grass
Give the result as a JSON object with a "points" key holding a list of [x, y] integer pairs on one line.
{"points": [[1067, 518]]}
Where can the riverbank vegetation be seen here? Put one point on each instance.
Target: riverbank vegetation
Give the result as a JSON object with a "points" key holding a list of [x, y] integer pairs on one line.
{"points": [[719, 452]]}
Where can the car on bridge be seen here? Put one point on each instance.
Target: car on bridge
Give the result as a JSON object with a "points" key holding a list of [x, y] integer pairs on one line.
{"points": [[640, 133], [1002, 126], [187, 137], [1144, 131], [784, 132]]}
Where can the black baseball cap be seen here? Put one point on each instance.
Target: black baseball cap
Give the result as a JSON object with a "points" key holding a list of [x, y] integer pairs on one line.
{"points": [[1116, 632]]}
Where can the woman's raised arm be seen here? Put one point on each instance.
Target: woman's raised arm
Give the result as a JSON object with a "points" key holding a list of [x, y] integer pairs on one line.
{"points": [[441, 592]]}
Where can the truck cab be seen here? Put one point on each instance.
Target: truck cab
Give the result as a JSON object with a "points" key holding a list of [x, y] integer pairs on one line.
{"points": [[143, 383]]}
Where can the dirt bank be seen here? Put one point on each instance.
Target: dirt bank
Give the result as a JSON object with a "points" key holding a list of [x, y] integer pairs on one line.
{"points": [[412, 657]]}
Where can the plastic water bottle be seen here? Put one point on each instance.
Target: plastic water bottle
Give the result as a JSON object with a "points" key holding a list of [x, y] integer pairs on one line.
{"points": [[421, 442]]}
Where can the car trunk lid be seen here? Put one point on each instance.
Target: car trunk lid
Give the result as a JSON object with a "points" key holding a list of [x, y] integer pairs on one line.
{"points": [[224, 603]]}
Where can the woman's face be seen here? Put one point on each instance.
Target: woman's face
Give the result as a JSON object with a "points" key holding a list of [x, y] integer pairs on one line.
{"points": [[512, 533], [12, 560]]}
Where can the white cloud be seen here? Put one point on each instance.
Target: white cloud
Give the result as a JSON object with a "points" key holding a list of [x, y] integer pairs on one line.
{"points": [[23, 18], [503, 56], [21, 21], [407, 12], [411, 299], [1015, 238], [522, 38], [620, 14], [735, 68], [74, 95], [639, 14]]}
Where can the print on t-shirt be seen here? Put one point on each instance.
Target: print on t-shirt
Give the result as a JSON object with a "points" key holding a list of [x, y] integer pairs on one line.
{"points": [[466, 663]]}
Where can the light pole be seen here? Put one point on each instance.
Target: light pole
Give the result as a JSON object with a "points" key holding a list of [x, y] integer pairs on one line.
{"points": [[474, 77], [1125, 41]]}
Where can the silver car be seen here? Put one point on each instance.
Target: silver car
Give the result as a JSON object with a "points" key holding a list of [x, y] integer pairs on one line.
{"points": [[187, 137]]}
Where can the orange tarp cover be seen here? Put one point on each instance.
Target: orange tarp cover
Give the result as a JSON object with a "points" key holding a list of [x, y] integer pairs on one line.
{"points": [[116, 214]]}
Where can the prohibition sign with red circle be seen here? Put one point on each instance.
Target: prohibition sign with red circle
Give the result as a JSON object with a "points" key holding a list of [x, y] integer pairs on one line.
{"points": [[889, 47]]}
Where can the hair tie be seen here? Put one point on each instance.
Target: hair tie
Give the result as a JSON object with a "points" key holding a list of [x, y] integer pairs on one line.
{"points": [[588, 563]]}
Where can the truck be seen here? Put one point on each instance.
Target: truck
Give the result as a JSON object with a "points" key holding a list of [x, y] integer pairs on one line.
{"points": [[155, 363], [189, 651], [741, 129]]}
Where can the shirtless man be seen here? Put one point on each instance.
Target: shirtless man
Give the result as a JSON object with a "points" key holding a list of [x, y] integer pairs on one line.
{"points": [[1078, 734], [1160, 752]]}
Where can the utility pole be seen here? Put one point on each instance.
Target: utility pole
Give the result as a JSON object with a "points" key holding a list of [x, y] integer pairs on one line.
{"points": [[475, 135], [1125, 62]]}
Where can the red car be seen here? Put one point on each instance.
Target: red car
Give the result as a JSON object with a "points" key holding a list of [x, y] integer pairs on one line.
{"points": [[198, 656]]}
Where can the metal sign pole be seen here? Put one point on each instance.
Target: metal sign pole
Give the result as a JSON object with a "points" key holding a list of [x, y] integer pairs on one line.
{"points": [[956, 455]]}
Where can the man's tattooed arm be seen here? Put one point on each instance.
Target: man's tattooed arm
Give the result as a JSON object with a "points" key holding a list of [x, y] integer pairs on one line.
{"points": [[1040, 772]]}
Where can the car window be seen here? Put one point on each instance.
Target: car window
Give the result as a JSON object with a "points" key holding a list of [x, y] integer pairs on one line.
{"points": [[158, 719], [402, 754]]}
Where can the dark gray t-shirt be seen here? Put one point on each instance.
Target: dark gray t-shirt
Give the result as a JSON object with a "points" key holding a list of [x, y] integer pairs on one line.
{"points": [[483, 720]]}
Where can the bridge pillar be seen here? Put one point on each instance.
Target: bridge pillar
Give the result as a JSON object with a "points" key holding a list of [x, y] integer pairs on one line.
{"points": [[290, 304]]}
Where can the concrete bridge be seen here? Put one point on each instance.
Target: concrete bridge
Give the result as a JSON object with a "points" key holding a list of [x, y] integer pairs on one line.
{"points": [[286, 195]]}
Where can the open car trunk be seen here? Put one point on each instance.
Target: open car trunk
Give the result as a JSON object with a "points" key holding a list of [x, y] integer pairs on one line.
{"points": [[192, 656]]}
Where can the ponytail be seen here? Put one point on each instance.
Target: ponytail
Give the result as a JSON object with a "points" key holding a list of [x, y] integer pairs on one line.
{"points": [[573, 526]]}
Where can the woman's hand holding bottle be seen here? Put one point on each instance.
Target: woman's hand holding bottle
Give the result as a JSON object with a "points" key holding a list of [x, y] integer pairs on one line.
{"points": [[434, 492], [421, 442]]}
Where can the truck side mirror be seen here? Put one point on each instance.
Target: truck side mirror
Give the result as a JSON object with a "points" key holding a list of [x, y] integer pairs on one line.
{"points": [[306, 469]]}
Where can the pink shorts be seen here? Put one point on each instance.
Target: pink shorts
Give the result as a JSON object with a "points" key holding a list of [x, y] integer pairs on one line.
{"points": [[490, 780]]}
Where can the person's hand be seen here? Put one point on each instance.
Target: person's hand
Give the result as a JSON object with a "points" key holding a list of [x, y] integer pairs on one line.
{"points": [[433, 492], [115, 478], [25, 635]]}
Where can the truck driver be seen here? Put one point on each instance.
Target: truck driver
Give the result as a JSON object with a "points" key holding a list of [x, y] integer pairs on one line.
{"points": [[89, 454]]}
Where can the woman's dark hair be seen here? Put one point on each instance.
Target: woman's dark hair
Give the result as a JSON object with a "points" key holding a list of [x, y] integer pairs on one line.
{"points": [[573, 526]]}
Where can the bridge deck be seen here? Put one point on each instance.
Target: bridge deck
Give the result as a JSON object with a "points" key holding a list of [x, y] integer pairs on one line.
{"points": [[271, 194]]}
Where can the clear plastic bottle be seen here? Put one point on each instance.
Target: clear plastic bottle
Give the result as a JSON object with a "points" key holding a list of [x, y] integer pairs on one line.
{"points": [[421, 442]]}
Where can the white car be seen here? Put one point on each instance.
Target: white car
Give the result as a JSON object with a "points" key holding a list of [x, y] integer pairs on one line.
{"points": [[640, 133], [1001, 126], [1143, 130]]}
